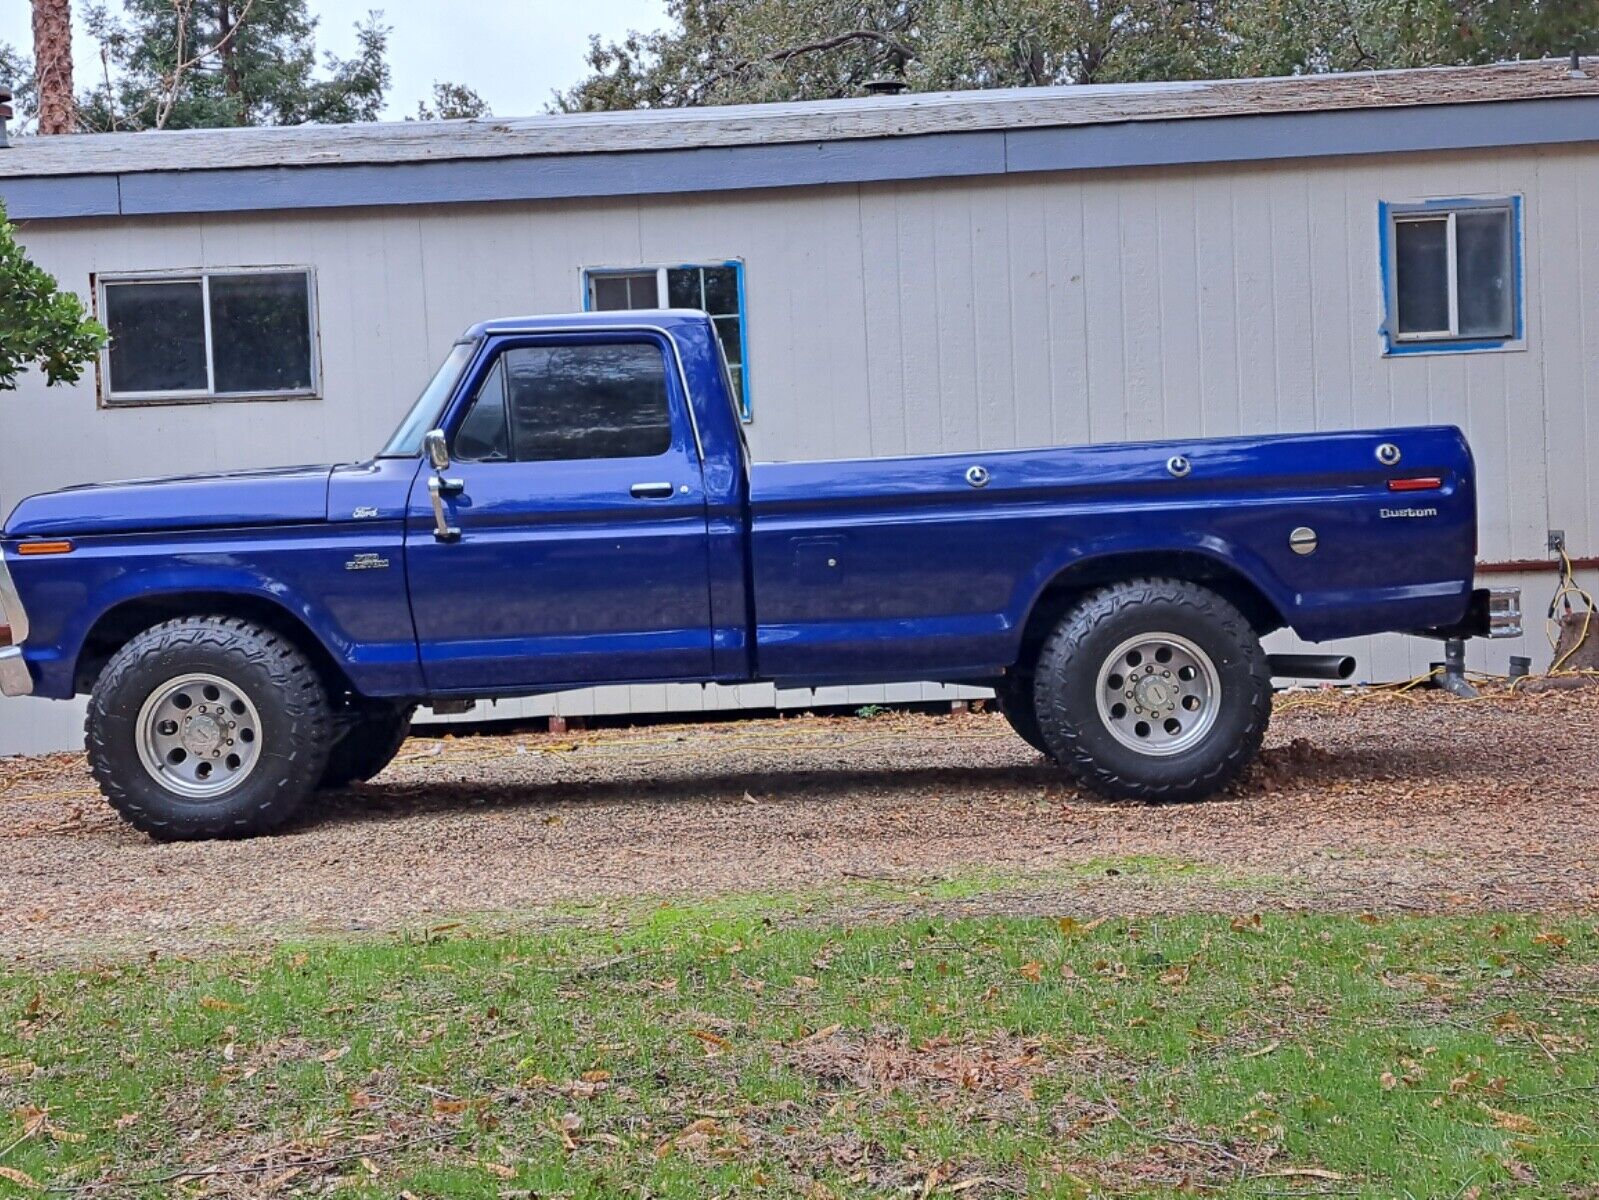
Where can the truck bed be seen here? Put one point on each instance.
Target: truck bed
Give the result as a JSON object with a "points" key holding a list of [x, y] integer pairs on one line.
{"points": [[889, 567]]}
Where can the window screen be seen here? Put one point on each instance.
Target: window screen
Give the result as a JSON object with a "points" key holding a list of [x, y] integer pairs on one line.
{"points": [[217, 335], [550, 403], [1454, 272], [157, 337]]}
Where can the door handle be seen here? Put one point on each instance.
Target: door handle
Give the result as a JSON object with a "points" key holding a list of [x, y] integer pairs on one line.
{"points": [[651, 491], [438, 488]]}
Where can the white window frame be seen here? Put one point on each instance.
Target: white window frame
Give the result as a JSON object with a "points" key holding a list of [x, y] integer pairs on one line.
{"points": [[587, 275], [1451, 340], [202, 276]]}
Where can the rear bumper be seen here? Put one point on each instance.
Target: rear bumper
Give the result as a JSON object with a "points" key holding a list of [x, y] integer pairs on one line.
{"points": [[1493, 613], [15, 679]]}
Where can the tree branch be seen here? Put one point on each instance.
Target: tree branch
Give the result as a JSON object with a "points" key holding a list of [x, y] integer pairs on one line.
{"points": [[779, 57], [172, 83]]}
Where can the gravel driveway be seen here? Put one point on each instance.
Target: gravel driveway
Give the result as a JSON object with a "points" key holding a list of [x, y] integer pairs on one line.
{"points": [[1382, 801]]}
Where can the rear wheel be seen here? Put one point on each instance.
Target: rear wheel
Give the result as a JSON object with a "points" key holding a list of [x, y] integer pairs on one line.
{"points": [[208, 727], [1153, 689], [368, 746], [1014, 695]]}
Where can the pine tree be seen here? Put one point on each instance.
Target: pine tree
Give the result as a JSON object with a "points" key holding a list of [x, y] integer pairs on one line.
{"points": [[193, 64]]}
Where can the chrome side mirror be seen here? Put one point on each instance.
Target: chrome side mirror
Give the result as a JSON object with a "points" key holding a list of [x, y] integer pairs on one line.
{"points": [[438, 449], [438, 452]]}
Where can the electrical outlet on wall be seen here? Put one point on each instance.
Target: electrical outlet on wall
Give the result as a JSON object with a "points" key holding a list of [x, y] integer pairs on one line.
{"points": [[1557, 540]]}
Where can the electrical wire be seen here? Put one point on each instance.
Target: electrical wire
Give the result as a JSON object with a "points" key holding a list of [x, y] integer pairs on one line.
{"points": [[1564, 591]]}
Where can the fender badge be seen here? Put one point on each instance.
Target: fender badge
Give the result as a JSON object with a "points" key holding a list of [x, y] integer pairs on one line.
{"points": [[1390, 513], [367, 562], [364, 512]]}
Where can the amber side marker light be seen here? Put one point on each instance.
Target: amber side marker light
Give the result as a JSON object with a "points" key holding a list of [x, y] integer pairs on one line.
{"points": [[27, 548], [1429, 483]]}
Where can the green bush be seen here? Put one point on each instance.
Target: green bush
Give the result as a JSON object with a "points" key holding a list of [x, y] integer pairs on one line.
{"points": [[40, 325]]}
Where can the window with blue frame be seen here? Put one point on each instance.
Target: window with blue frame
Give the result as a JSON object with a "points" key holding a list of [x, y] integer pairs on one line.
{"points": [[716, 288], [1452, 275]]}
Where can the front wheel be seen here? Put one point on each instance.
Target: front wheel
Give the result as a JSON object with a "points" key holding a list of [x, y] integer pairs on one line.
{"points": [[369, 745], [207, 727], [1153, 689]]}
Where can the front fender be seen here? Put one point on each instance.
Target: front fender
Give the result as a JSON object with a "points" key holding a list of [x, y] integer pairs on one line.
{"points": [[344, 584]]}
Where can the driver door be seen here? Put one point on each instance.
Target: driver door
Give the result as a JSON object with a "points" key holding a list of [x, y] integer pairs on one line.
{"points": [[581, 551]]}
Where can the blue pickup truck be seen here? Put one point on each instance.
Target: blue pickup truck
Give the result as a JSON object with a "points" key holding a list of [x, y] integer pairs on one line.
{"points": [[571, 502]]}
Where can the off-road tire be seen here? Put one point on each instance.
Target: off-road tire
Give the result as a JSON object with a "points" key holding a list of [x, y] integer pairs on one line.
{"points": [[1013, 693], [1068, 671], [289, 696], [368, 745]]}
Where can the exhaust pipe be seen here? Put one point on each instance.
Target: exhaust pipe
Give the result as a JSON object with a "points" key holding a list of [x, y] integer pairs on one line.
{"points": [[1311, 666]]}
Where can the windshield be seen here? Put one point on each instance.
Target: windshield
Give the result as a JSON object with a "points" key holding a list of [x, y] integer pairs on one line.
{"points": [[429, 406]]}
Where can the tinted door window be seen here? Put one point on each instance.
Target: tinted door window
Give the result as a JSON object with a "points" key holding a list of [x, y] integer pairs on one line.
{"points": [[548, 403]]}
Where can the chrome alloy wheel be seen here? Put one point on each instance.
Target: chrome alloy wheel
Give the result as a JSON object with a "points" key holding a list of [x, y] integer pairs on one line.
{"points": [[199, 736], [1158, 694]]}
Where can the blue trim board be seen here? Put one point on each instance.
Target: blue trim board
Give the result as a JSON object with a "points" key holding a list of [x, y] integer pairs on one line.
{"points": [[804, 164], [1386, 211]]}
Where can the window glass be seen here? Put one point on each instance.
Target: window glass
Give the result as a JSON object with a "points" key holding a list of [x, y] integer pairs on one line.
{"points": [[721, 290], [484, 436], [727, 329], [429, 406], [712, 289], [550, 403], [157, 336], [1483, 273], [261, 332], [596, 401], [683, 288], [1421, 260], [1455, 275], [612, 292], [216, 334]]}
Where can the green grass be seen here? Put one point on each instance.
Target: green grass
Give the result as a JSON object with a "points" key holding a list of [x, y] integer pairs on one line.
{"points": [[691, 1051]]}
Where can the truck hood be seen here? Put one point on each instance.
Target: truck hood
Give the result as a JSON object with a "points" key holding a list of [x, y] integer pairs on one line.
{"points": [[281, 496]]}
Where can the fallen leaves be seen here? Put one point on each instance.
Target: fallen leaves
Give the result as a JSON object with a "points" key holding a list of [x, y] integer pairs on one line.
{"points": [[714, 1043], [1515, 1122], [21, 1178], [1071, 927]]}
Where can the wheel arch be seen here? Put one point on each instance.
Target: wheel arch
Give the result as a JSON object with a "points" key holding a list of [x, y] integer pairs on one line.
{"points": [[1227, 579], [124, 620]]}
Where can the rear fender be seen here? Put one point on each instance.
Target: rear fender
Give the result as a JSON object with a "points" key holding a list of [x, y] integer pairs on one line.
{"points": [[1196, 557]]}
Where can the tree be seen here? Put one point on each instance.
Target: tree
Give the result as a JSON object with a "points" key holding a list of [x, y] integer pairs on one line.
{"points": [[742, 51], [40, 325], [52, 56], [192, 64], [451, 102], [16, 73]]}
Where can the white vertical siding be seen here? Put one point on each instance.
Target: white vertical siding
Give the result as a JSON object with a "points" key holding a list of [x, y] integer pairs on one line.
{"points": [[918, 317]]}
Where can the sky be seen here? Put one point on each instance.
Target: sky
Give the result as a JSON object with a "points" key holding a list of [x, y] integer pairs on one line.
{"points": [[513, 52]]}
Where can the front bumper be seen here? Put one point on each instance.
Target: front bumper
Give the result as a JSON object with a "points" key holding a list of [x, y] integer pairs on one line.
{"points": [[15, 679]]}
